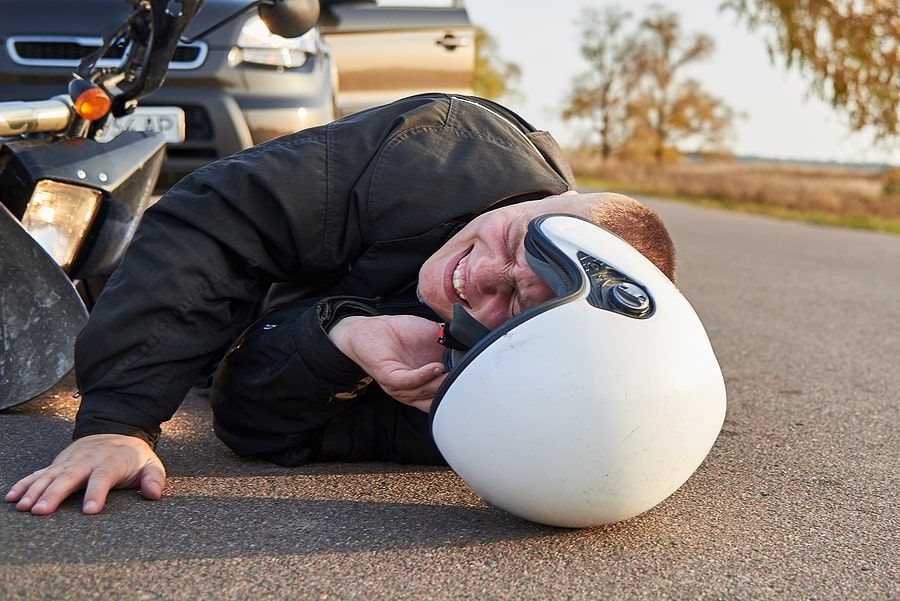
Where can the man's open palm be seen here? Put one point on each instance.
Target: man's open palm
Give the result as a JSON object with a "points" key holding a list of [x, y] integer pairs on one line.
{"points": [[400, 352]]}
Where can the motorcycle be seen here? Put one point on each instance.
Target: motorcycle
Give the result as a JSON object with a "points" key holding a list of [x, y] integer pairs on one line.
{"points": [[71, 198]]}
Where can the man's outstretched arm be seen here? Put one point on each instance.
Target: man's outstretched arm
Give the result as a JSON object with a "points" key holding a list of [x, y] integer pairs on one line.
{"points": [[192, 279], [189, 283]]}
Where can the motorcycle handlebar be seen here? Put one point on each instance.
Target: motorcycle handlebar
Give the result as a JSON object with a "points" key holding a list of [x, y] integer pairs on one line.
{"points": [[38, 116]]}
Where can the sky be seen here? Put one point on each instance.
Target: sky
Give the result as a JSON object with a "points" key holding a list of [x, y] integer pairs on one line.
{"points": [[781, 119]]}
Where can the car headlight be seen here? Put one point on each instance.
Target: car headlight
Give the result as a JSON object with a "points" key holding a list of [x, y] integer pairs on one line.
{"points": [[256, 44], [58, 217]]}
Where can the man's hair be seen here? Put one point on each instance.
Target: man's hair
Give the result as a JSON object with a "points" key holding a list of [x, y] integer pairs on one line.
{"points": [[633, 222]]}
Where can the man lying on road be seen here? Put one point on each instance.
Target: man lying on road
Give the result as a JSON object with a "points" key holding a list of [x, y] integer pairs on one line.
{"points": [[361, 236]]}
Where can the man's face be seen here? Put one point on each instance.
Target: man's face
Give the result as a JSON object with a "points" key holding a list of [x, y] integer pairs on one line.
{"points": [[483, 266]]}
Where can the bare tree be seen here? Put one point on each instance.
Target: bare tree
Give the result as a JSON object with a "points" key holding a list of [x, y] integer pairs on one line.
{"points": [[668, 110], [600, 95], [689, 113], [633, 95]]}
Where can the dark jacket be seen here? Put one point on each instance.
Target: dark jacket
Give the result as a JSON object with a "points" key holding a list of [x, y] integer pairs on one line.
{"points": [[354, 207]]}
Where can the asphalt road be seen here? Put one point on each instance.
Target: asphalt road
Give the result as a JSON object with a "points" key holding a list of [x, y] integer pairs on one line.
{"points": [[797, 500]]}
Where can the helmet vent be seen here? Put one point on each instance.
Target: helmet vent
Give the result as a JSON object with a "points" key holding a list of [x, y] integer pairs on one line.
{"points": [[631, 298], [614, 291]]}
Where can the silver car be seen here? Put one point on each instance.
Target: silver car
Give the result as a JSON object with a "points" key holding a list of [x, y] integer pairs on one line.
{"points": [[240, 84]]}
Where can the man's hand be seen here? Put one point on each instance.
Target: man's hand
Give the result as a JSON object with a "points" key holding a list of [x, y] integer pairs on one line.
{"points": [[400, 352], [101, 462]]}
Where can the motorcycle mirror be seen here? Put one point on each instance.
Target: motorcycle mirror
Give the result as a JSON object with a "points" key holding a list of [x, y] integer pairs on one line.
{"points": [[166, 20], [290, 18]]}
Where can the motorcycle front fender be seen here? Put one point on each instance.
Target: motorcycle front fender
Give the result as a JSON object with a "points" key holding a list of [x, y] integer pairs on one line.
{"points": [[40, 316]]}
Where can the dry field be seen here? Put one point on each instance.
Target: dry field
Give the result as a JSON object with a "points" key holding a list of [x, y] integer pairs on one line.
{"points": [[850, 197]]}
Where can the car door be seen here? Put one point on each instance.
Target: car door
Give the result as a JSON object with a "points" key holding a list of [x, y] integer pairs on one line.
{"points": [[390, 49]]}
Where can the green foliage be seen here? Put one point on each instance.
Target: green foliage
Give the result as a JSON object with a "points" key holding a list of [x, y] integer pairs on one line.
{"points": [[493, 77], [850, 48], [600, 96]]}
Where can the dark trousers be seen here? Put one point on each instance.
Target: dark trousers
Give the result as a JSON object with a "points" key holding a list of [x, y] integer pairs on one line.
{"points": [[266, 404]]}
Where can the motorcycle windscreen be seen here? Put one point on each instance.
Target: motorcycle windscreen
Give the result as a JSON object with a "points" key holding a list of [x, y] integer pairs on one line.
{"points": [[40, 316]]}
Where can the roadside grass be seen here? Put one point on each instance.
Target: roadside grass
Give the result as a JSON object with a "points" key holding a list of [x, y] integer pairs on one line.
{"points": [[825, 196]]}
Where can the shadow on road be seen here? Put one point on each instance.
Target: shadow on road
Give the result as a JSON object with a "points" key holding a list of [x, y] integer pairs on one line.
{"points": [[220, 506], [208, 527]]}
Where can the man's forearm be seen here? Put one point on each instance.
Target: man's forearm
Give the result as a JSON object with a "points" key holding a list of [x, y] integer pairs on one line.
{"points": [[190, 282], [93, 418]]}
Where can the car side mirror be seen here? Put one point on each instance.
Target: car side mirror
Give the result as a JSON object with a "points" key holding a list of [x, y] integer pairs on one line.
{"points": [[290, 18]]}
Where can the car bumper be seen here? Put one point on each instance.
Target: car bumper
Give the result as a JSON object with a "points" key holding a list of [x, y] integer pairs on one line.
{"points": [[227, 109], [217, 125]]}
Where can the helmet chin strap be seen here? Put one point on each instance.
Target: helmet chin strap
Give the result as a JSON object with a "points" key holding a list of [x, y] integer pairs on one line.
{"points": [[463, 331], [459, 335]]}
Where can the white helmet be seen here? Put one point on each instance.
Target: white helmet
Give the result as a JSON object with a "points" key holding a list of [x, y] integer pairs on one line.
{"points": [[589, 408]]}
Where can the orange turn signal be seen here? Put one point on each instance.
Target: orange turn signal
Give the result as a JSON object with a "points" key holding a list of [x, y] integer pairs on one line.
{"points": [[92, 104]]}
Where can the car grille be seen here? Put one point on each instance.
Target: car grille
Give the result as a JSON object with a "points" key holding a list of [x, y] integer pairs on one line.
{"points": [[58, 50], [67, 51]]}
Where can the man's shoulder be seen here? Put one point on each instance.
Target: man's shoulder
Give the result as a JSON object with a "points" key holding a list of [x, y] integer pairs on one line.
{"points": [[435, 110], [450, 166], [413, 111]]}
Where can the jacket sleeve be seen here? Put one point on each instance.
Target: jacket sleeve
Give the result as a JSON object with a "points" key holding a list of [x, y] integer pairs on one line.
{"points": [[283, 380], [193, 279]]}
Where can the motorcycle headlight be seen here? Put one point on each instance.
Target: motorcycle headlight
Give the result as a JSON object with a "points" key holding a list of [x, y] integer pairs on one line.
{"points": [[58, 216], [256, 44]]}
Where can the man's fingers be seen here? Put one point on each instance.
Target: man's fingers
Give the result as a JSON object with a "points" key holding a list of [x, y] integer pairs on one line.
{"points": [[99, 484], [424, 392], [57, 485], [153, 480], [34, 491], [424, 406], [405, 379], [18, 489], [419, 398]]}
